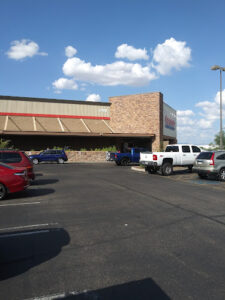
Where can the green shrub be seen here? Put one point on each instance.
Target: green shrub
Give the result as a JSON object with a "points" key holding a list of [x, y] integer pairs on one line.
{"points": [[110, 148], [5, 144]]}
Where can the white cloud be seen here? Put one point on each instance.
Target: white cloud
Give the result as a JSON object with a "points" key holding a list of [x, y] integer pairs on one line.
{"points": [[170, 55], [200, 127], [184, 117], [117, 73], [94, 98], [64, 83], [185, 113], [211, 110], [70, 51], [217, 98], [24, 48], [205, 124], [131, 53], [185, 121]]}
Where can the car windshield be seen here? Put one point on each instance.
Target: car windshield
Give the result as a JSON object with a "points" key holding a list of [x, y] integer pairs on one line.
{"points": [[205, 155]]}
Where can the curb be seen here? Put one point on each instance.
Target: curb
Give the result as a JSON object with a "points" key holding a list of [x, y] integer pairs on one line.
{"points": [[138, 169]]}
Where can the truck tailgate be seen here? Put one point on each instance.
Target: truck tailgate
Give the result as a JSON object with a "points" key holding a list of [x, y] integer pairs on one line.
{"points": [[146, 157]]}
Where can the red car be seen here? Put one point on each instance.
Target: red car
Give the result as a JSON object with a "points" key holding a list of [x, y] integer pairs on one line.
{"points": [[17, 159], [12, 179]]}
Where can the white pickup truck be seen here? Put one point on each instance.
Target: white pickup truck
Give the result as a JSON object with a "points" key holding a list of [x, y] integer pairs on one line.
{"points": [[174, 155]]}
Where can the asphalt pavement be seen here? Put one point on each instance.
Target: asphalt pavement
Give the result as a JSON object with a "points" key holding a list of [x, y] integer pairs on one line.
{"points": [[98, 231]]}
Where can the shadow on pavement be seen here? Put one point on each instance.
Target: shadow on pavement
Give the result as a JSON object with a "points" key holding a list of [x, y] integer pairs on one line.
{"points": [[38, 174], [145, 289], [30, 193], [22, 250], [44, 181]]}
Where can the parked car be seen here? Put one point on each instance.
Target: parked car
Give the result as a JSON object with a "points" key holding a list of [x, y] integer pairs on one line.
{"points": [[110, 156], [210, 163], [133, 156], [58, 156], [17, 159], [174, 155], [12, 179]]}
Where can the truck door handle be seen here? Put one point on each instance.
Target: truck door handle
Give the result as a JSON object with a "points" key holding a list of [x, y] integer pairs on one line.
{"points": [[184, 154]]}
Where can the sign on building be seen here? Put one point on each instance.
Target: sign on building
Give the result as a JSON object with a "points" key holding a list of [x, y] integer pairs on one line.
{"points": [[169, 121]]}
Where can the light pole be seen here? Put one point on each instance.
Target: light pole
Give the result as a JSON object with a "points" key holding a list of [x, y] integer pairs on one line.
{"points": [[221, 104]]}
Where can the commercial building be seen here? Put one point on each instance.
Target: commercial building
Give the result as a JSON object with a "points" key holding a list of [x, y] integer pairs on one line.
{"points": [[141, 120]]}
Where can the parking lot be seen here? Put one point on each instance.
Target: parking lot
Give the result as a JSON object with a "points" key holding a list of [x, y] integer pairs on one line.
{"points": [[98, 231], [183, 175]]}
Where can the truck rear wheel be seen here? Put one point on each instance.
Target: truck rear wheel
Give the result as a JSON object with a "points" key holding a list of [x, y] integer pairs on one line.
{"points": [[167, 169], [190, 169], [124, 161], [150, 170]]}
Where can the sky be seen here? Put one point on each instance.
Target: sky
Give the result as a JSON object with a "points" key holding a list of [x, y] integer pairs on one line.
{"points": [[95, 49]]}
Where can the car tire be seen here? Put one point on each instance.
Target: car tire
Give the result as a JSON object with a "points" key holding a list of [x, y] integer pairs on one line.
{"points": [[3, 191], [35, 161], [190, 169], [60, 161], [150, 170], [202, 176], [124, 161], [221, 175], [118, 163], [167, 169]]}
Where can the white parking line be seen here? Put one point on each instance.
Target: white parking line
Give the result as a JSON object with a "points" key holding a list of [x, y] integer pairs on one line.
{"points": [[27, 226], [19, 204], [57, 296]]}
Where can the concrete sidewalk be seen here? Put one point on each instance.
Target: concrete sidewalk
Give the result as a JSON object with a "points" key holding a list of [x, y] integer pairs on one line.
{"points": [[138, 168]]}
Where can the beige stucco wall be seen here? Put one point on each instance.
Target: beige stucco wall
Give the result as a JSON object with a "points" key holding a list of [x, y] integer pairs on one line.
{"points": [[54, 108]]}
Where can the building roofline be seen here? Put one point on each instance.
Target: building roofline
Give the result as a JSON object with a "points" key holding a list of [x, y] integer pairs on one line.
{"points": [[137, 94], [49, 100]]}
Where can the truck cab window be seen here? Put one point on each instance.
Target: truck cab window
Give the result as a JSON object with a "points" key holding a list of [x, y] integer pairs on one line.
{"points": [[172, 149], [186, 149], [195, 149]]}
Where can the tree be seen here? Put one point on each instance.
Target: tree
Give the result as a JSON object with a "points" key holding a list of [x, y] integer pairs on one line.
{"points": [[4, 143], [217, 139]]}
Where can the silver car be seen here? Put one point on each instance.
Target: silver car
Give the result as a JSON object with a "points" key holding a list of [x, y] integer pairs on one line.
{"points": [[210, 163]]}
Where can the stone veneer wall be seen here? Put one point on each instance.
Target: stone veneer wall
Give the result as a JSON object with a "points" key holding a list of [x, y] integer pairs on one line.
{"points": [[141, 113], [81, 156], [86, 156]]}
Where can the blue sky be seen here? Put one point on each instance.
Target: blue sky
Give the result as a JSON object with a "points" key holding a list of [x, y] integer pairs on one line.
{"points": [[94, 49]]}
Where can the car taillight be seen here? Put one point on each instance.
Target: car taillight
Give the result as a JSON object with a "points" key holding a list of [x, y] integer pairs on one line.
{"points": [[155, 157], [115, 155], [212, 162]]}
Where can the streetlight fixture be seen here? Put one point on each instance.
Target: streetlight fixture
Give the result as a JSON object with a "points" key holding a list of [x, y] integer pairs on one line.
{"points": [[214, 68]]}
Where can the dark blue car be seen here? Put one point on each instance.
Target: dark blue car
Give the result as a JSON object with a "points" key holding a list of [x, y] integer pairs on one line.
{"points": [[58, 156]]}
